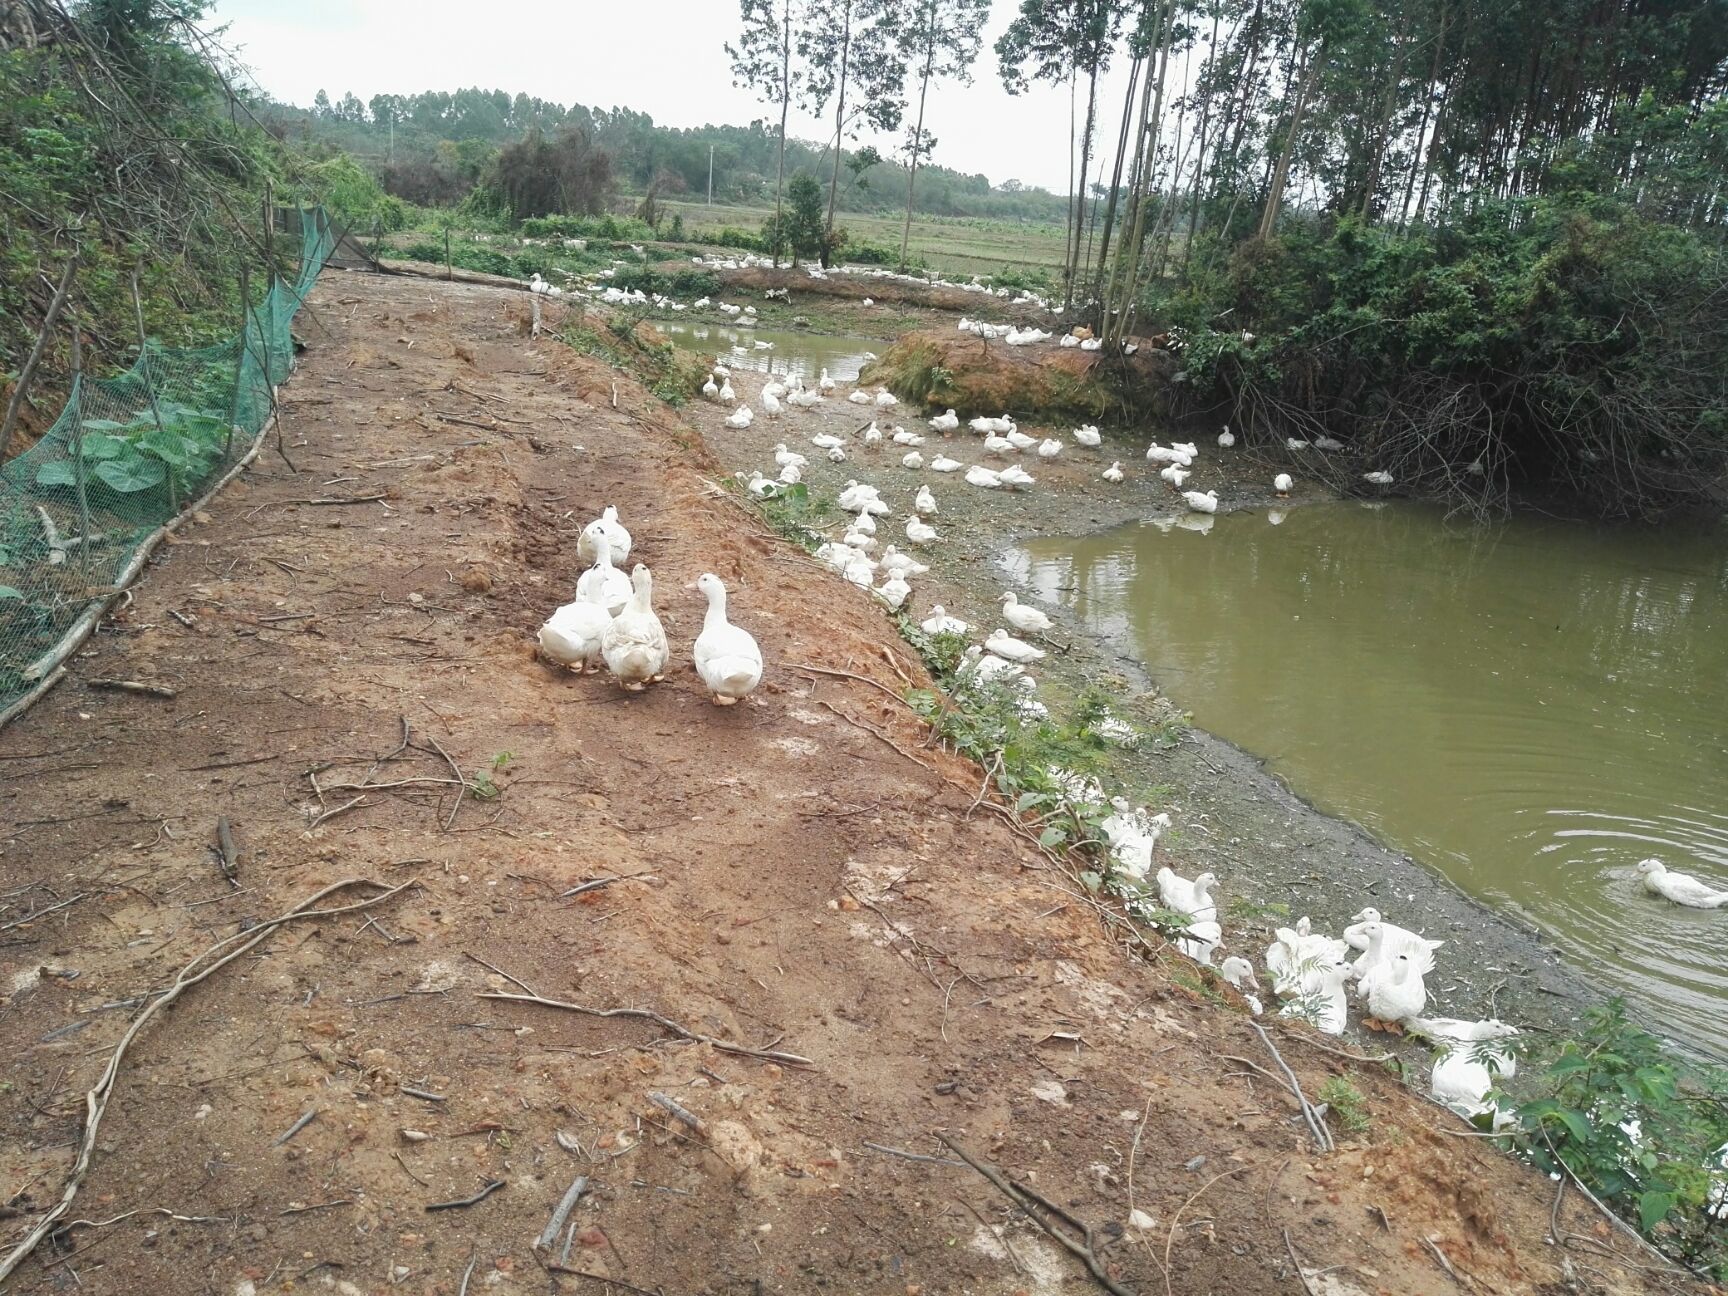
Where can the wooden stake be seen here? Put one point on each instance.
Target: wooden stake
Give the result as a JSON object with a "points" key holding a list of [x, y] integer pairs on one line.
{"points": [[28, 372], [149, 384], [76, 401]]}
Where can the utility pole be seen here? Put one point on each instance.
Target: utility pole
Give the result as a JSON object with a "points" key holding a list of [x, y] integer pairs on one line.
{"points": [[710, 175]]}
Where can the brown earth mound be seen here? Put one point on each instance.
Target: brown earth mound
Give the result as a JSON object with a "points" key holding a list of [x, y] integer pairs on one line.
{"points": [[973, 375]]}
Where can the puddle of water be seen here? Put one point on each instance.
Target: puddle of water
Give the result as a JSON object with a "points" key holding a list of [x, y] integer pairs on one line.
{"points": [[1530, 708], [794, 353]]}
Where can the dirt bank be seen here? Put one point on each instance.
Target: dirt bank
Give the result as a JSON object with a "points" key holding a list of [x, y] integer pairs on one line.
{"points": [[857, 285], [799, 875]]}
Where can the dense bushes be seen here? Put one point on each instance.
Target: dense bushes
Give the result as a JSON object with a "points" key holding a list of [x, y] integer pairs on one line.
{"points": [[1553, 343]]}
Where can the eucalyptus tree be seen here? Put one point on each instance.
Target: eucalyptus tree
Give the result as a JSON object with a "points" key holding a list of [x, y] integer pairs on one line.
{"points": [[762, 61], [938, 39], [1055, 41], [850, 47]]}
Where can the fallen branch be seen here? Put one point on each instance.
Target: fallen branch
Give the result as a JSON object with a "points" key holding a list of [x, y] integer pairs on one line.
{"points": [[228, 851], [1025, 1198], [913, 1156], [96, 1100], [1300, 1272], [840, 674], [37, 913], [306, 1118], [492, 1186], [665, 1023], [566, 1204], [133, 686], [683, 1114], [1316, 1126]]}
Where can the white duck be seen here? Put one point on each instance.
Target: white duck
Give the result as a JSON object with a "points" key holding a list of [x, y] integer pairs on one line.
{"points": [[1023, 616], [978, 475], [886, 399], [603, 583], [1049, 448], [1394, 990], [1175, 474], [1295, 444], [740, 417], [1239, 972], [1088, 435], [728, 658], [1114, 472], [998, 445], [1020, 441], [824, 383], [1194, 898], [726, 393], [859, 397], [1199, 939], [785, 457], [894, 591], [920, 532], [1282, 484], [865, 524], [770, 403], [1324, 1000], [710, 389], [791, 475], [1297, 952], [1226, 438], [572, 634], [1014, 476], [939, 622], [617, 537], [1681, 888], [761, 487], [635, 645], [947, 422], [826, 441], [943, 464], [912, 459], [924, 503], [983, 667], [1463, 1076], [1006, 646], [1456, 1030], [1378, 477], [1202, 501], [1381, 941], [901, 564]]}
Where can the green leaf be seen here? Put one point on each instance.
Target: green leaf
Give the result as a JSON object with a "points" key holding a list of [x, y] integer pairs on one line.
{"points": [[56, 472], [7, 592], [1052, 837], [103, 425], [170, 447], [133, 473], [99, 445], [1653, 1208]]}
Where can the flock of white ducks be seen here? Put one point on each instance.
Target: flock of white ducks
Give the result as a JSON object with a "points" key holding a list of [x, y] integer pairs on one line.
{"points": [[611, 623]]}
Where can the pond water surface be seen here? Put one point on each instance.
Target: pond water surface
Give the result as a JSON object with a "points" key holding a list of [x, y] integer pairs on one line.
{"points": [[1530, 708]]}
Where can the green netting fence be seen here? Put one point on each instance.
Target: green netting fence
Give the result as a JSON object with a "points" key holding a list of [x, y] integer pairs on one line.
{"points": [[124, 457]]}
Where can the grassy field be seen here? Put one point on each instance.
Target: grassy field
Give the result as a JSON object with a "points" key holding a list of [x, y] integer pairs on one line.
{"points": [[952, 244]]}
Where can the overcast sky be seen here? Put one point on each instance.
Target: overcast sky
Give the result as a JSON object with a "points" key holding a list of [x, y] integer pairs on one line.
{"points": [[661, 57]]}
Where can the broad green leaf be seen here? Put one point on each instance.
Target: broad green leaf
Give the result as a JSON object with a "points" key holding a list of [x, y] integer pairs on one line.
{"points": [[133, 473], [168, 446], [56, 472], [1653, 1208], [99, 445], [102, 425], [7, 592], [1052, 836]]}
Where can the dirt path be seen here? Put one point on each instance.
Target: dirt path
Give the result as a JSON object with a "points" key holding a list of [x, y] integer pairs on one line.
{"points": [[797, 874]]}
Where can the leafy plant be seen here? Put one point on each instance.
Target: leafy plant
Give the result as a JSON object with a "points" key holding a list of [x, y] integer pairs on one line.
{"points": [[1346, 1102], [141, 454]]}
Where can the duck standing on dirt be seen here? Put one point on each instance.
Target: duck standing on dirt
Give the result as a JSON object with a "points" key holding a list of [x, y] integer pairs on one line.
{"points": [[727, 657], [608, 525], [634, 646], [572, 634], [1023, 616], [603, 583], [1114, 472]]}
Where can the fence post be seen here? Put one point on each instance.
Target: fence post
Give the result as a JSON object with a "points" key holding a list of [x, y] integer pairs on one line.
{"points": [[76, 400], [239, 360], [449, 270], [150, 386], [28, 372]]}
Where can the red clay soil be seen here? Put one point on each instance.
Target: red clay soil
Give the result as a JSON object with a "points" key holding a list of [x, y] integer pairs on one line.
{"points": [[797, 875]]}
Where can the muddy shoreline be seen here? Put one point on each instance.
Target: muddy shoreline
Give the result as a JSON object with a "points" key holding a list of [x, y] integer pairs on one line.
{"points": [[1268, 844]]}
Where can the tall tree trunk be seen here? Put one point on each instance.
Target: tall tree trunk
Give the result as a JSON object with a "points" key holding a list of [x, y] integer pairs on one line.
{"points": [[1383, 123], [1200, 151], [1112, 301], [1080, 189], [1132, 251], [839, 123], [917, 147], [1281, 172], [1422, 130], [785, 106], [1116, 177]]}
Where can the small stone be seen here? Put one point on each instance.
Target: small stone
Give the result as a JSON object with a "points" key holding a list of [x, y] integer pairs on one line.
{"points": [[1140, 1220]]}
